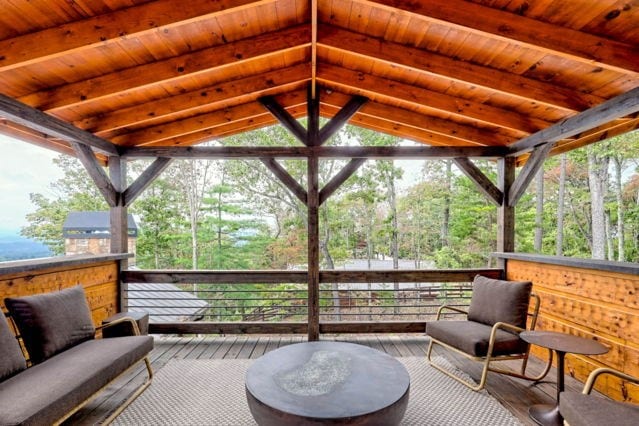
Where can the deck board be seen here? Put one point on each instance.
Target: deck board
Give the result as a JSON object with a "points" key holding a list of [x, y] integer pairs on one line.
{"points": [[516, 395]]}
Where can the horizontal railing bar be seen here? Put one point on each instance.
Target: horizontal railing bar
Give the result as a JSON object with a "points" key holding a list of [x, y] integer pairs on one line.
{"points": [[326, 276], [195, 327]]}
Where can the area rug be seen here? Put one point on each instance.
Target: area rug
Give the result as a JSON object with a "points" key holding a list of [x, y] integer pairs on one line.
{"points": [[211, 392]]}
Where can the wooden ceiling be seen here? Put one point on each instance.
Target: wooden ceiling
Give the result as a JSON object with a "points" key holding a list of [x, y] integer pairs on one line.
{"points": [[480, 73]]}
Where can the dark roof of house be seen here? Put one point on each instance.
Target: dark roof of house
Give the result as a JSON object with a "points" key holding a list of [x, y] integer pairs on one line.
{"points": [[92, 221], [164, 302]]}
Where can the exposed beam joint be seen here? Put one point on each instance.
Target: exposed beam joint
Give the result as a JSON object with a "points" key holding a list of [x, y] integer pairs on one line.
{"points": [[99, 176], [378, 152], [481, 181], [145, 179], [34, 119], [344, 114], [337, 180], [616, 107], [284, 176], [285, 118], [528, 172]]}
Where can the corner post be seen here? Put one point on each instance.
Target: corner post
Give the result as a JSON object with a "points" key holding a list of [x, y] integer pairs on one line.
{"points": [[119, 223], [505, 212]]}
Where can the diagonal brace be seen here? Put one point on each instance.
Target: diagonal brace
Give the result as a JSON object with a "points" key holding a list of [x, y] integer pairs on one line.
{"points": [[288, 180], [285, 118], [340, 178], [481, 181], [528, 172], [342, 116], [97, 174], [145, 179]]}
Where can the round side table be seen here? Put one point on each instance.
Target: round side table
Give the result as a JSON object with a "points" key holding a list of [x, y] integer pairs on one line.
{"points": [[561, 343]]}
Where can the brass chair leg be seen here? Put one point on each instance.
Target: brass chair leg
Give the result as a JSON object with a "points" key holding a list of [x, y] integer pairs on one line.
{"points": [[134, 395]]}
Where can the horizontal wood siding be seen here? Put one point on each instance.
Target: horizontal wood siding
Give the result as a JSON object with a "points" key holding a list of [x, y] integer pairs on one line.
{"points": [[602, 305], [100, 282]]}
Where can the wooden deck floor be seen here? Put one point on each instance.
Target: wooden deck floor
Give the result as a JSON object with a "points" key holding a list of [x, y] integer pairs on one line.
{"points": [[516, 395]]}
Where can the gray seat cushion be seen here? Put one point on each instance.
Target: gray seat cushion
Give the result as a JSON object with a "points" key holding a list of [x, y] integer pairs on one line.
{"points": [[52, 322], [590, 410], [11, 359], [499, 301], [45, 392], [473, 337]]}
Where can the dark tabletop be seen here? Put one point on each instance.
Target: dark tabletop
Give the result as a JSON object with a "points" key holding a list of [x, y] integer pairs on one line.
{"points": [[564, 342], [327, 380]]}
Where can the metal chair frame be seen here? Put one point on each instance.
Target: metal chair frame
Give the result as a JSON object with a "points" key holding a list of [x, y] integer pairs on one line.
{"points": [[489, 358]]}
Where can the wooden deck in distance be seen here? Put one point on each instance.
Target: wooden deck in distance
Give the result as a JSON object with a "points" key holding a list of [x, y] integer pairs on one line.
{"points": [[516, 395]]}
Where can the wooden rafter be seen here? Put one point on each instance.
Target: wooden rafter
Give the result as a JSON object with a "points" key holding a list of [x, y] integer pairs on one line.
{"points": [[220, 95], [145, 179], [98, 175], [481, 181], [375, 152], [285, 177], [620, 106], [31, 118], [108, 28], [535, 34], [373, 87], [165, 70], [424, 61], [333, 185]]}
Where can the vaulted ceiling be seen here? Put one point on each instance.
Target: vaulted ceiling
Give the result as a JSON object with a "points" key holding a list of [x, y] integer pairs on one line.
{"points": [[480, 73]]}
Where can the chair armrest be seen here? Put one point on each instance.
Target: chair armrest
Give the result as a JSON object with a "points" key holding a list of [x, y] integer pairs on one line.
{"points": [[450, 308], [134, 324], [508, 327], [599, 371]]}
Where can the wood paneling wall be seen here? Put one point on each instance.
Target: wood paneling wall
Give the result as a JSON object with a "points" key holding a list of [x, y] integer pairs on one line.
{"points": [[592, 303], [99, 279]]}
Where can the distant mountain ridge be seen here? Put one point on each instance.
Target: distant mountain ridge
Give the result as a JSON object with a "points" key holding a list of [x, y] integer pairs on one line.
{"points": [[16, 247]]}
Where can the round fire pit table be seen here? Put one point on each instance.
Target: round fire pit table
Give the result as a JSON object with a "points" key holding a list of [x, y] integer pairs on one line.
{"points": [[327, 383]]}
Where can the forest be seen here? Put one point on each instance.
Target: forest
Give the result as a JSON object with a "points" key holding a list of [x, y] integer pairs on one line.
{"points": [[235, 214]]}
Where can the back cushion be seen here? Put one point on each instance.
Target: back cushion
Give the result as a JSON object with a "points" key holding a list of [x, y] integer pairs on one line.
{"points": [[52, 322], [499, 301], [11, 358]]}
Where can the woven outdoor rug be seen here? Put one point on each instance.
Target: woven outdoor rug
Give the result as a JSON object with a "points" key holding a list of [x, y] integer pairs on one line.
{"points": [[211, 392]]}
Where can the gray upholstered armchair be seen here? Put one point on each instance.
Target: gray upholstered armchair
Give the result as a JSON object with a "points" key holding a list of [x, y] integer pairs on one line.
{"points": [[498, 312], [583, 409]]}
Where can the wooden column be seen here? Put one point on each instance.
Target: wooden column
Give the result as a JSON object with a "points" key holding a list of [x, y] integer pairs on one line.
{"points": [[119, 222], [505, 212], [313, 248]]}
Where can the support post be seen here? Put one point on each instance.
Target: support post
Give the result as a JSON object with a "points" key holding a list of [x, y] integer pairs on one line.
{"points": [[505, 212], [313, 248], [119, 222]]}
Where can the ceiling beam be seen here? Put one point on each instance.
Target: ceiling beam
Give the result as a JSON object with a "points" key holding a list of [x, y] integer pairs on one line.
{"points": [[285, 177], [526, 32], [98, 175], [196, 123], [111, 27], [481, 181], [34, 119], [205, 60], [220, 95], [620, 106], [467, 73], [379, 152], [395, 115], [374, 87]]}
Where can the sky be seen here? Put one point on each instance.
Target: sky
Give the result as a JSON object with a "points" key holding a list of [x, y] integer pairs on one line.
{"points": [[24, 169]]}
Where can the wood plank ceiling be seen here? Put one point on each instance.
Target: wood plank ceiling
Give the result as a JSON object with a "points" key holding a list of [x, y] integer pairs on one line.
{"points": [[441, 72]]}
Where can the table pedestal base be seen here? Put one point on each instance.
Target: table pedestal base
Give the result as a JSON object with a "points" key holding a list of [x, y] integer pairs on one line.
{"points": [[546, 415]]}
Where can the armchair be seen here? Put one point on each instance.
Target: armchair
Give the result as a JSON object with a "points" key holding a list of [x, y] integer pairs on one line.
{"points": [[583, 409], [498, 312]]}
